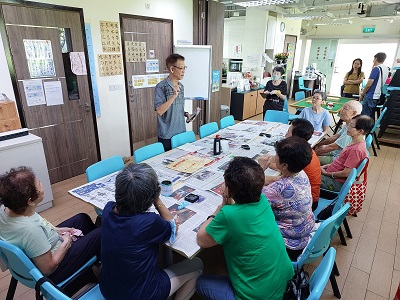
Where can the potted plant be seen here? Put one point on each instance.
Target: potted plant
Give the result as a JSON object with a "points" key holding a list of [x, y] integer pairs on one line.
{"points": [[281, 58]]}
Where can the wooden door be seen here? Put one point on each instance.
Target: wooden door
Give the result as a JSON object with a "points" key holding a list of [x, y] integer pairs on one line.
{"points": [[290, 48], [158, 36], [68, 129]]}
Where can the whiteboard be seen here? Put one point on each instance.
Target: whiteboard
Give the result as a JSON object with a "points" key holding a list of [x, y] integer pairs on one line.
{"points": [[197, 79], [5, 82]]}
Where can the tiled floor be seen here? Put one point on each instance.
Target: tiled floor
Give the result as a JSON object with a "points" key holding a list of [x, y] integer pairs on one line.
{"points": [[369, 265]]}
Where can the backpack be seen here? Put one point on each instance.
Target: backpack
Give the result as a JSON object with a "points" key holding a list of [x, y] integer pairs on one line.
{"points": [[298, 288]]}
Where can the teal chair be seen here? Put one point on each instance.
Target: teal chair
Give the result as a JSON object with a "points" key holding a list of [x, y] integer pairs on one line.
{"points": [[373, 131], [226, 121], [368, 142], [286, 109], [182, 138], [101, 169], [321, 274], [300, 95], [276, 116], [21, 268], [208, 129], [338, 198], [320, 244], [147, 152], [50, 292], [302, 87]]}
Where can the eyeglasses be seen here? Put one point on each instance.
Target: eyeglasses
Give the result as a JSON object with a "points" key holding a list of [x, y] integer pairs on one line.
{"points": [[181, 68], [317, 98]]}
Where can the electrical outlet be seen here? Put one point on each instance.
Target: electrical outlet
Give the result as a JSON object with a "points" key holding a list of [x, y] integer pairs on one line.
{"points": [[111, 88]]}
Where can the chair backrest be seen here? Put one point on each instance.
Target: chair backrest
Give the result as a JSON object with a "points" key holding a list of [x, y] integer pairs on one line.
{"points": [[362, 165], [300, 95], [277, 116], [301, 82], [18, 263], [285, 105], [320, 276], [364, 83], [385, 89], [226, 121], [207, 129], [378, 122], [104, 167], [147, 152], [320, 242], [182, 138], [345, 190]]}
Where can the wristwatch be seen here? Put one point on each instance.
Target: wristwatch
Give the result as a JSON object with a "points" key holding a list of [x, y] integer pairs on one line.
{"points": [[210, 216]]}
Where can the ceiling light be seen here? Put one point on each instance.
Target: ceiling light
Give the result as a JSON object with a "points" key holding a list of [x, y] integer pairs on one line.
{"points": [[337, 22], [309, 16], [263, 2]]}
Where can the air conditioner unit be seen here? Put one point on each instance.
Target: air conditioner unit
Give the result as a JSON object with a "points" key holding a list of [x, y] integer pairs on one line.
{"points": [[383, 10]]}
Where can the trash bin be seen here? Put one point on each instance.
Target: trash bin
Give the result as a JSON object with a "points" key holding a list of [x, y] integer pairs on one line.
{"points": [[224, 111]]}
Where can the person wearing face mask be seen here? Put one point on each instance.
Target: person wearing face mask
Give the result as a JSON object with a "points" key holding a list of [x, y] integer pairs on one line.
{"points": [[275, 90]]}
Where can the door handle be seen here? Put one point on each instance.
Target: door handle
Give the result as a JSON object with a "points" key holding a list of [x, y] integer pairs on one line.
{"points": [[86, 106]]}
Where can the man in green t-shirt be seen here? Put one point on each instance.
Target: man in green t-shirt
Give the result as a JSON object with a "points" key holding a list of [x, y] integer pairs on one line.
{"points": [[245, 226]]}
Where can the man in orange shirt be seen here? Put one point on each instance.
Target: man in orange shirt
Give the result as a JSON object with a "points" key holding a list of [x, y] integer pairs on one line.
{"points": [[301, 128]]}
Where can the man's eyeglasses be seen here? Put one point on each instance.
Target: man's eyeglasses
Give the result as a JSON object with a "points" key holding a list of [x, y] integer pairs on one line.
{"points": [[181, 68]]}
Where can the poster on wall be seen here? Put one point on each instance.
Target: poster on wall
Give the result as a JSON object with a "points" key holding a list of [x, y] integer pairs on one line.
{"points": [[163, 76], [39, 56], [110, 36], [53, 93], [139, 81], [237, 51], [135, 51], [152, 80], [152, 66], [34, 92], [110, 64], [78, 63], [216, 79]]}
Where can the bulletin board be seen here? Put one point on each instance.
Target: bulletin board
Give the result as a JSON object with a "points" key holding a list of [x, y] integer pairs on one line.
{"points": [[197, 79]]}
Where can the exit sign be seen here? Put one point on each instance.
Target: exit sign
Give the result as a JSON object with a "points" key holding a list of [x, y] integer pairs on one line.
{"points": [[368, 29]]}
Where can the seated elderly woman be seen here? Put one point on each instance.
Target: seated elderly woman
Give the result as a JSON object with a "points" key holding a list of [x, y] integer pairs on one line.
{"points": [[131, 237], [318, 116], [290, 197], [244, 225], [50, 248], [335, 174]]}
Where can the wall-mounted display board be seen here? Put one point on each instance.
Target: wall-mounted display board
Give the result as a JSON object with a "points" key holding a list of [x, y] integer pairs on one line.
{"points": [[110, 64], [110, 36]]}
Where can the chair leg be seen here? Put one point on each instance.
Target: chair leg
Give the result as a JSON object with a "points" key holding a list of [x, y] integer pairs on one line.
{"points": [[335, 287], [376, 141], [347, 228], [373, 148], [11, 288], [342, 239], [335, 269]]}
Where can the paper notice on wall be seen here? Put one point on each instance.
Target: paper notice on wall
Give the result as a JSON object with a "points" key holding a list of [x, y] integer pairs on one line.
{"points": [[78, 63], [53, 93], [34, 92], [39, 56], [252, 60], [110, 64], [135, 51], [237, 51], [152, 80], [161, 77], [109, 36], [152, 66], [139, 81]]}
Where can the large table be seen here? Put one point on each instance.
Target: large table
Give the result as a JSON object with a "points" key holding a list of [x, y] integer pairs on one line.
{"points": [[338, 103], [194, 169]]}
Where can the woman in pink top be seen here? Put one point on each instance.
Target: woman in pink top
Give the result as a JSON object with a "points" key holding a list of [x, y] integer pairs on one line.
{"points": [[335, 174]]}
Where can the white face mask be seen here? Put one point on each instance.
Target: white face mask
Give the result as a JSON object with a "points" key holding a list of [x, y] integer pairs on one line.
{"points": [[275, 77]]}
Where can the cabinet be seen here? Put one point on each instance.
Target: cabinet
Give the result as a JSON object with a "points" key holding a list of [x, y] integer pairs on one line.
{"points": [[246, 105], [27, 151]]}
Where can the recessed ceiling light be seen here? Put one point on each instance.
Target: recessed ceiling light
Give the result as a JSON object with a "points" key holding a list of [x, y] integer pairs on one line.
{"points": [[263, 2], [309, 16]]}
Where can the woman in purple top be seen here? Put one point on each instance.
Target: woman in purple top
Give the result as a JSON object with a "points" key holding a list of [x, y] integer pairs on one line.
{"points": [[290, 197], [131, 238]]}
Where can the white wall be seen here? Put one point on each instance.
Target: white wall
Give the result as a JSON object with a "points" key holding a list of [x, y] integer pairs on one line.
{"points": [[234, 33], [113, 124]]}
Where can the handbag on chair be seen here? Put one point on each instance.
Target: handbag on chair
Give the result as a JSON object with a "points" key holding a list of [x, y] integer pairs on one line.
{"points": [[356, 195]]}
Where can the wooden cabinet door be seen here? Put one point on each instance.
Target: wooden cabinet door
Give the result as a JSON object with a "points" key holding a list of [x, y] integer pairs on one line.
{"points": [[260, 102], [253, 103], [249, 105]]}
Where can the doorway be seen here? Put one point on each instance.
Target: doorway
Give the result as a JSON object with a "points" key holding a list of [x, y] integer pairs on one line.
{"points": [[156, 38], [67, 127], [350, 50]]}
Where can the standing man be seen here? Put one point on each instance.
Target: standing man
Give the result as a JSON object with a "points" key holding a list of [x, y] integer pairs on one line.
{"points": [[169, 101], [372, 91]]}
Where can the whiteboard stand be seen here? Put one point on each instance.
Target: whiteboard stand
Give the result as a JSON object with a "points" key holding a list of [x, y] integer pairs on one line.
{"points": [[197, 79]]}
